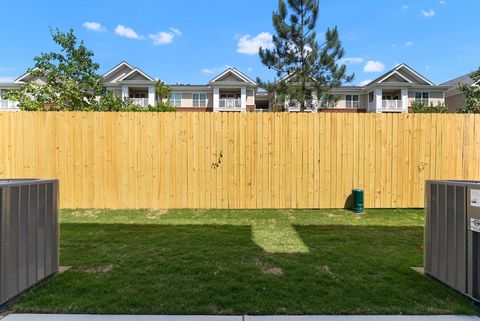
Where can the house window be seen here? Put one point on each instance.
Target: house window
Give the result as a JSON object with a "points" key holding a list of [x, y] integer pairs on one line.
{"points": [[351, 101], [199, 100], [176, 99], [422, 96]]}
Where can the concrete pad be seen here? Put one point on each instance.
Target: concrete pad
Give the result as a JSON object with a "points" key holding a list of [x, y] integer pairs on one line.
{"points": [[362, 318], [87, 317], [420, 270], [90, 317], [63, 269]]}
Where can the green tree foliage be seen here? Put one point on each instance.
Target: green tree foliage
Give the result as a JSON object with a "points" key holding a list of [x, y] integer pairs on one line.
{"points": [[70, 76], [472, 95], [313, 68], [162, 91]]}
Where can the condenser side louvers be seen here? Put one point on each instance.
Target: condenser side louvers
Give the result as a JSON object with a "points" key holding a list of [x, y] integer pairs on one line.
{"points": [[452, 238], [28, 234]]}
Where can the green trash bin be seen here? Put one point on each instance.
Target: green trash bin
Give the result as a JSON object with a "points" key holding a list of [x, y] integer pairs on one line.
{"points": [[358, 201]]}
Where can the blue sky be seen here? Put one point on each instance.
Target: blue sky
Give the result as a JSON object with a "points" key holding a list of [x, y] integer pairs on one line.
{"points": [[189, 41]]}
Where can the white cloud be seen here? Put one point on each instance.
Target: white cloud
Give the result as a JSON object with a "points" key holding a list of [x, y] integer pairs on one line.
{"points": [[365, 82], [208, 71], [351, 60], [442, 2], [409, 43], [405, 7], [165, 37], [427, 68], [176, 31], [95, 26], [249, 45], [427, 14], [374, 66], [127, 32], [215, 70], [7, 78], [250, 69], [162, 38]]}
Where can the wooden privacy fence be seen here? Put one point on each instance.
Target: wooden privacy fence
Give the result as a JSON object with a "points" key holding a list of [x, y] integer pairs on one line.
{"points": [[238, 160]]}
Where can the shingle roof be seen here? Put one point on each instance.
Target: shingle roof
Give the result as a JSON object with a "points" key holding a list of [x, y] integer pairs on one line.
{"points": [[465, 79]]}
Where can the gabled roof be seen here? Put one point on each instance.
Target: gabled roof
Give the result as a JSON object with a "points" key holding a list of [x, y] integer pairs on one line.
{"points": [[235, 72], [120, 65], [393, 74], [398, 72], [22, 77], [25, 76], [133, 72]]}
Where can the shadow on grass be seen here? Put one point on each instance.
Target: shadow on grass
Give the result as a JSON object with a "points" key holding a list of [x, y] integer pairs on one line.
{"points": [[212, 269]]}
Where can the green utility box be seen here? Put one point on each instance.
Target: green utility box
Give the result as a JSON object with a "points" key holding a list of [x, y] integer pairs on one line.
{"points": [[358, 201]]}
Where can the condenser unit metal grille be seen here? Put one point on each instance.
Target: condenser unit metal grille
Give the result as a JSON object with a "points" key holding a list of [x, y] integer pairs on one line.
{"points": [[29, 234], [450, 244]]}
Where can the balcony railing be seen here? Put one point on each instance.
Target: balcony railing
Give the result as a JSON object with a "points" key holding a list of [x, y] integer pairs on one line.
{"points": [[392, 105], [142, 102], [296, 106], [8, 105], [230, 103]]}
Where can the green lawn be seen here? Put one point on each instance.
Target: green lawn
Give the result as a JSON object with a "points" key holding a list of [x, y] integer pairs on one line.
{"points": [[243, 262]]}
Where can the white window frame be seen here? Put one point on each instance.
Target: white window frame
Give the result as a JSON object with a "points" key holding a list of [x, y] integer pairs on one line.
{"points": [[352, 103], [174, 100], [422, 94], [197, 103]]}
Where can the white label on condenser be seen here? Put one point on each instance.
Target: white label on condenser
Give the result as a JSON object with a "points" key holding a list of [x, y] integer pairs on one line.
{"points": [[475, 197], [475, 225]]}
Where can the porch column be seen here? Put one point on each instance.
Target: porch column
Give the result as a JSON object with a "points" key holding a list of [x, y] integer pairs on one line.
{"points": [[243, 99], [404, 100], [216, 98], [315, 102], [378, 100], [124, 92], [151, 95]]}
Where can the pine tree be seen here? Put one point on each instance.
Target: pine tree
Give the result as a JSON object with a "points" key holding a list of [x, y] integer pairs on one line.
{"points": [[310, 68]]}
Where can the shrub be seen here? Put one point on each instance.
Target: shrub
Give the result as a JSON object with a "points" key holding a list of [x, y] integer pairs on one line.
{"points": [[420, 107]]}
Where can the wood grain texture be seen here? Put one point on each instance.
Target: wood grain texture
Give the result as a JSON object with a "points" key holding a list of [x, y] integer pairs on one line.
{"points": [[229, 160]]}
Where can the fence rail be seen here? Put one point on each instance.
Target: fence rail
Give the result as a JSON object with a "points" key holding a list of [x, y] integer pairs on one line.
{"points": [[238, 160]]}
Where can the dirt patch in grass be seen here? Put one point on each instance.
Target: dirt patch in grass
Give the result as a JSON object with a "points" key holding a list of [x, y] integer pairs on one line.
{"points": [[154, 214], [326, 269], [99, 269], [91, 213], [266, 269], [274, 270]]}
